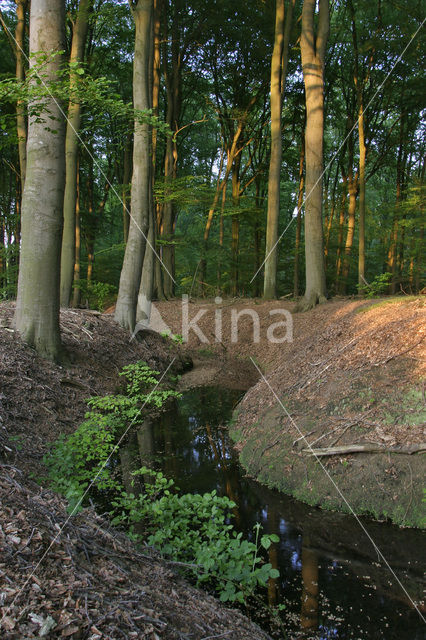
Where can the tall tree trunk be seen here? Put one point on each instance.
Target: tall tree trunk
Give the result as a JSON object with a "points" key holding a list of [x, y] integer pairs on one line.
{"points": [[173, 87], [339, 261], [71, 151], [220, 186], [270, 279], [21, 120], [361, 231], [392, 253], [143, 310], [299, 221], [313, 47], [76, 294], [141, 201], [125, 192], [235, 226], [353, 188], [37, 307], [278, 77], [330, 218]]}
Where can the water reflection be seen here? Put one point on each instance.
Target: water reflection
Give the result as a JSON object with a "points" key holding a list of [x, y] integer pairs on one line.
{"points": [[310, 577], [331, 582]]}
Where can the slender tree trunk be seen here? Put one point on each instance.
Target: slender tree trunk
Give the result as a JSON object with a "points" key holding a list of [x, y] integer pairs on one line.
{"points": [[21, 119], [235, 226], [361, 231], [313, 47], [392, 253], [257, 237], [220, 186], [141, 201], [143, 311], [173, 87], [76, 295], [270, 279], [330, 218], [353, 188], [339, 262], [125, 193], [37, 307], [299, 221], [71, 151], [221, 239]]}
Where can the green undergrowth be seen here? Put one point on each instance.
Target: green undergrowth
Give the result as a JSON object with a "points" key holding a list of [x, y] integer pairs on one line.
{"points": [[195, 530]]}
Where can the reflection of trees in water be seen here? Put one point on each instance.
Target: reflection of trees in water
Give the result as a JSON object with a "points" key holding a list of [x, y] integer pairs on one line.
{"points": [[309, 613], [189, 447]]}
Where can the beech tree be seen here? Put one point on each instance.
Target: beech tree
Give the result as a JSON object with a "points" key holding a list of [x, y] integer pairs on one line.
{"points": [[141, 198], [37, 307], [313, 45], [71, 150], [278, 75]]}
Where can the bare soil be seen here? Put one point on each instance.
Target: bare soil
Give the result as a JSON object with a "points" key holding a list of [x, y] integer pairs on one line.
{"points": [[354, 374], [78, 577]]}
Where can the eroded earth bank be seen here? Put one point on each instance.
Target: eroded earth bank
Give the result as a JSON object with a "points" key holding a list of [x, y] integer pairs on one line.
{"points": [[337, 416]]}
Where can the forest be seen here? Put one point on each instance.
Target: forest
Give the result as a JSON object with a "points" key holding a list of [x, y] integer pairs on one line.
{"points": [[212, 336], [215, 104]]}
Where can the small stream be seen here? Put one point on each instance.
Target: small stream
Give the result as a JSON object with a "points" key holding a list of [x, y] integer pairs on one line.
{"points": [[331, 582]]}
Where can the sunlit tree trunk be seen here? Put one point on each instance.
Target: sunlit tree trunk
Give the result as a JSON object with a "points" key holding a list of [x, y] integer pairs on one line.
{"points": [[353, 189], [361, 231], [76, 295], [278, 77], [313, 45], [141, 201], [21, 119], [271, 251], [37, 306], [173, 88], [71, 151]]}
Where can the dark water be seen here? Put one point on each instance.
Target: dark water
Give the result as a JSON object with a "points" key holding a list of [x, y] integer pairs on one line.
{"points": [[331, 582]]}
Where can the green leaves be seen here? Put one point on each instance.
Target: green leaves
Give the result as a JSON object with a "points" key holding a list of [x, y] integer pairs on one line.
{"points": [[192, 529]]}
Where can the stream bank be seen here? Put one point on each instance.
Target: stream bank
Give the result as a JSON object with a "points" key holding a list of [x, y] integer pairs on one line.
{"points": [[80, 578], [354, 374]]}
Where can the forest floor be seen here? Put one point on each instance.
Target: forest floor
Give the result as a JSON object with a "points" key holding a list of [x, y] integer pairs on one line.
{"points": [[354, 373], [353, 377], [78, 577]]}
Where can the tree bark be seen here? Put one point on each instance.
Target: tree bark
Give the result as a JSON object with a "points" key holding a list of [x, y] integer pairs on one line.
{"points": [[37, 307], [313, 47], [270, 279], [299, 221], [141, 201], [71, 152], [21, 120], [76, 294]]}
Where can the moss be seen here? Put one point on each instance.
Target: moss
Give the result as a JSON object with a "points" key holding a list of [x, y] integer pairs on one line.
{"points": [[386, 301], [360, 481]]}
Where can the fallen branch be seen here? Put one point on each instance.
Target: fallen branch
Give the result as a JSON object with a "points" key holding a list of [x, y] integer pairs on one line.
{"points": [[367, 448]]}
